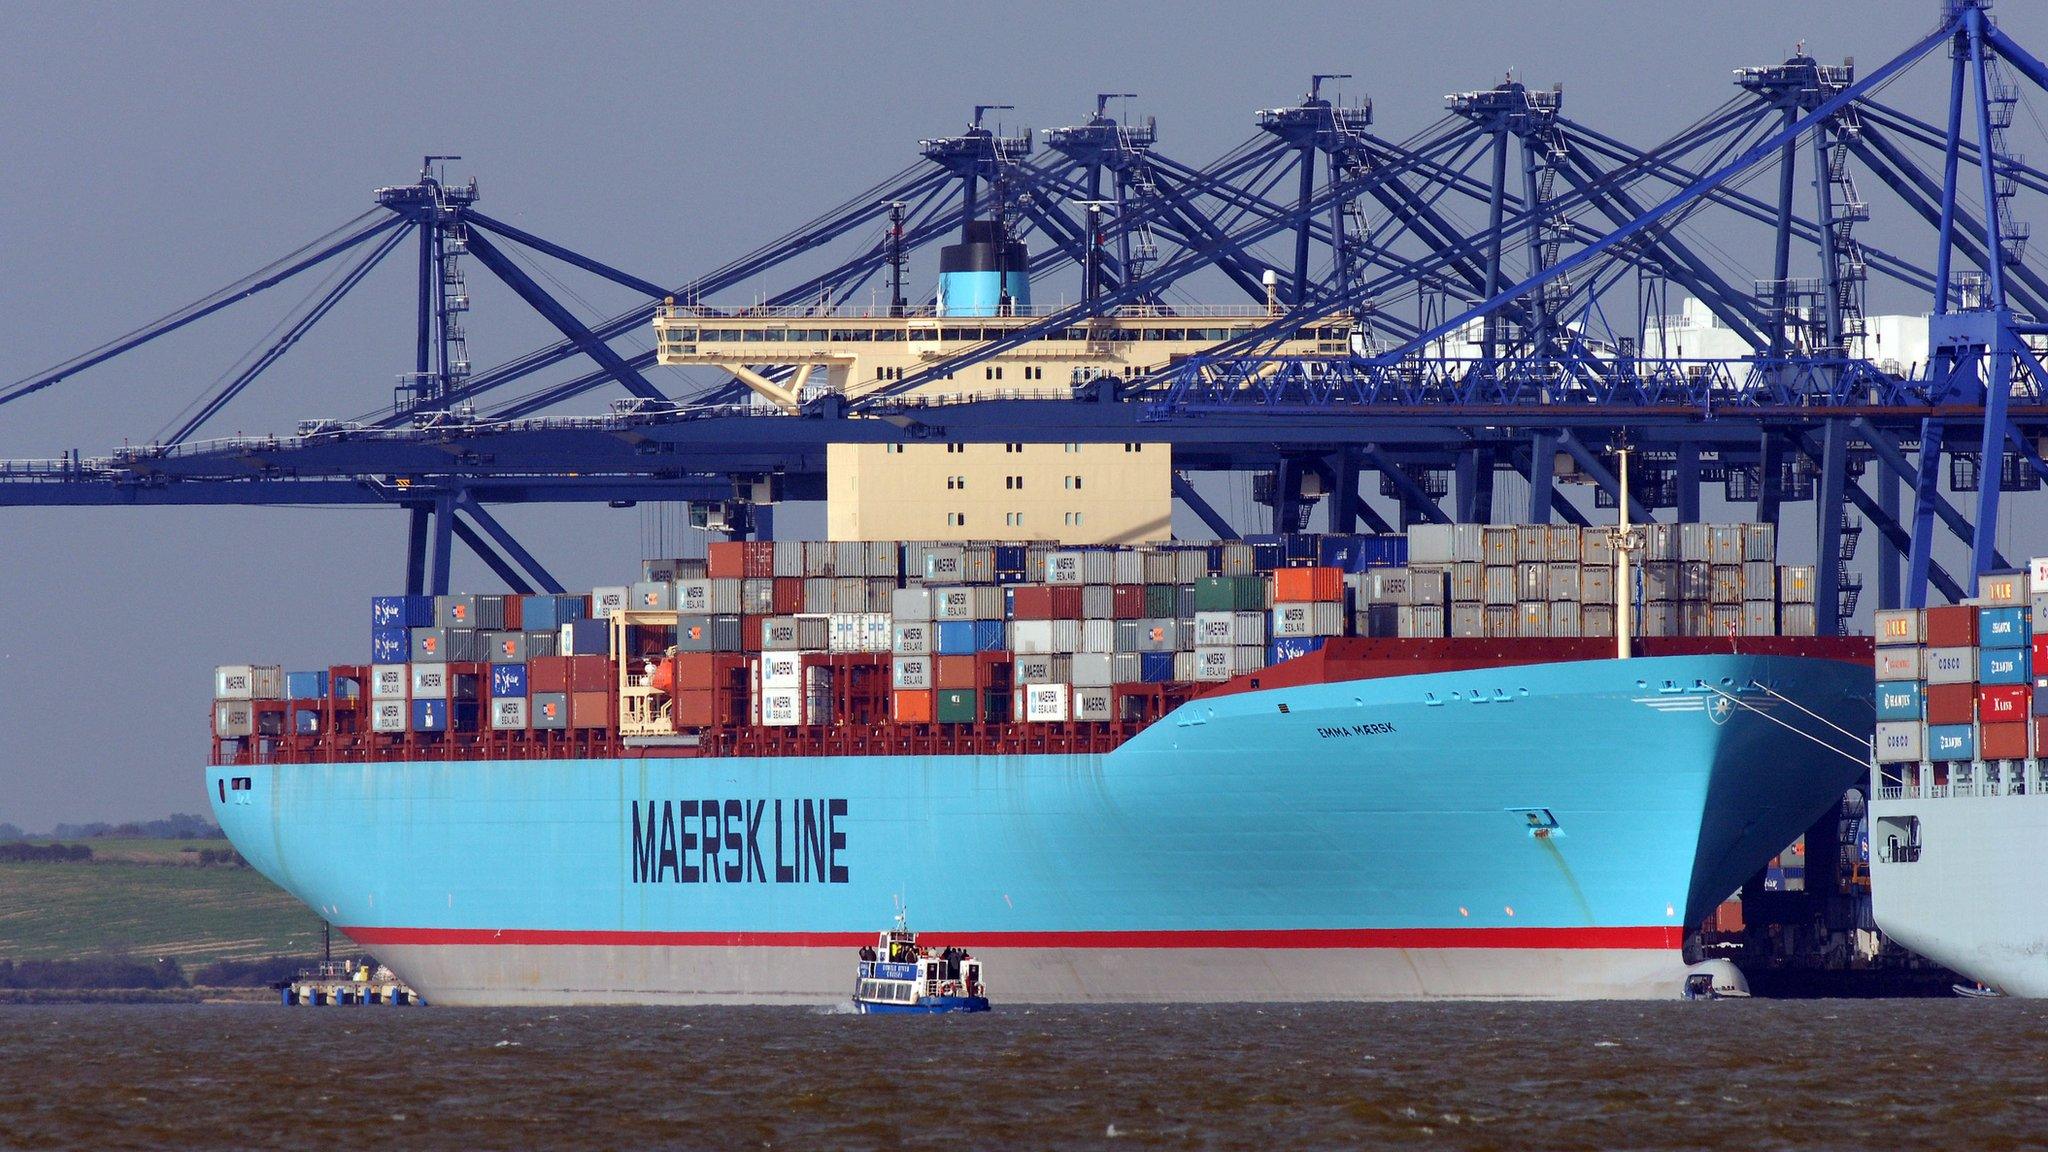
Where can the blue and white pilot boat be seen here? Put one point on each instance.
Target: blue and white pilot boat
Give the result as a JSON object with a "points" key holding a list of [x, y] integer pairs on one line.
{"points": [[897, 977]]}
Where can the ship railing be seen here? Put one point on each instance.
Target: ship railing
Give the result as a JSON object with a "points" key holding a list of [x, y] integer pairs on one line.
{"points": [[1937, 791], [1892, 792], [677, 311]]}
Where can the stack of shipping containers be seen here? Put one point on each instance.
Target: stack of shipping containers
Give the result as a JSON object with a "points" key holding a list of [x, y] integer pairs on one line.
{"points": [[1956, 685]]}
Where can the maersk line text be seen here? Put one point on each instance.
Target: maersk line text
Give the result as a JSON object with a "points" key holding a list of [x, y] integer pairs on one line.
{"points": [[722, 841]]}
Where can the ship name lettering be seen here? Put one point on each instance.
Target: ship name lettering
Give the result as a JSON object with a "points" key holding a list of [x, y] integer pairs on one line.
{"points": [[721, 841], [1373, 728]]}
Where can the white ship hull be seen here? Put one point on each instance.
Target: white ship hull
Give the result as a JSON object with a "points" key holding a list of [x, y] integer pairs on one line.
{"points": [[1971, 894]]}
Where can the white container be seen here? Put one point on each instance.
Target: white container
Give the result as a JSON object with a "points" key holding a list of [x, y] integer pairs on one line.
{"points": [[1031, 636], [388, 716], [1431, 544], [248, 682], [1898, 628], [911, 603], [1387, 586], [1064, 568], [234, 718], [1095, 635], [967, 602], [1215, 628], [2037, 575], [1046, 703], [911, 673], [1950, 665], [607, 600], [1212, 663], [429, 682], [1307, 618], [1093, 704], [780, 670], [508, 713], [911, 638], [781, 707], [389, 681]]}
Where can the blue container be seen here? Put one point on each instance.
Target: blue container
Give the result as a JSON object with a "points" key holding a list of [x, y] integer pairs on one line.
{"points": [[402, 612], [305, 686], [2040, 701], [1004, 576], [1289, 647], [966, 637], [1380, 552], [1951, 742], [508, 681], [430, 715], [2001, 628], [1900, 700], [1010, 558], [463, 715], [1155, 667], [2002, 666], [589, 638], [1341, 551], [306, 722], [547, 613], [390, 645]]}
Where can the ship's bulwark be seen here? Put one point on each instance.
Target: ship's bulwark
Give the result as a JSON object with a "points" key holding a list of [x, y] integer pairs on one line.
{"points": [[1533, 831]]}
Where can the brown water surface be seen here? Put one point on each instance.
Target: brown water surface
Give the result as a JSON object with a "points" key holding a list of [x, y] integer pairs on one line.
{"points": [[1861, 1075]]}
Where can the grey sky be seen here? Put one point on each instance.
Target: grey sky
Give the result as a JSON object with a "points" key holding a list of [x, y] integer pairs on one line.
{"points": [[155, 152]]}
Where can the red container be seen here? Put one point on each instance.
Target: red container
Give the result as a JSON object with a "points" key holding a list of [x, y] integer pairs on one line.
{"points": [[2040, 664], [2005, 704], [1951, 703], [750, 633], [590, 674], [906, 707], [2041, 731], [1953, 627], [1127, 602], [760, 558], [515, 613], [2002, 742], [1294, 585], [696, 671], [1031, 602], [590, 709], [548, 673], [953, 672], [726, 559], [698, 708], [787, 598]]}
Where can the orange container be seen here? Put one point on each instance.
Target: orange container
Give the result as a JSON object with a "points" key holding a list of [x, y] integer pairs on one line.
{"points": [[696, 709], [590, 709], [726, 559], [1728, 917], [1297, 584], [911, 707], [953, 672], [2002, 741]]}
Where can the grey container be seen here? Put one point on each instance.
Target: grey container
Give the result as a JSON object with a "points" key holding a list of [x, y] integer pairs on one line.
{"points": [[1158, 567], [821, 559], [1497, 548], [1428, 585], [1098, 602], [1950, 665], [1422, 620], [1695, 543], [1725, 584], [1596, 620], [789, 558], [1596, 584], [1468, 621], [911, 673], [911, 603], [1565, 581], [885, 560], [1564, 619], [1430, 544], [1093, 670], [881, 592], [1561, 543], [443, 645], [1128, 567], [1695, 580], [1695, 619], [1900, 742], [1795, 585], [850, 558], [849, 594], [1532, 544], [1098, 636], [1725, 544], [1900, 627], [506, 648], [1498, 589], [695, 634], [473, 612], [1468, 544], [794, 634], [1532, 618], [1093, 705], [2002, 589], [1190, 565], [757, 596], [1759, 580], [1660, 542], [1724, 619], [1501, 621], [1468, 583], [1759, 543], [1797, 620], [1596, 548], [1157, 634], [2038, 612], [1184, 602], [1532, 581], [652, 596], [550, 711], [1657, 618], [1759, 618], [818, 593]]}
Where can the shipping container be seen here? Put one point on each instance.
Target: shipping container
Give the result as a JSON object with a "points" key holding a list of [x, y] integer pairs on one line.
{"points": [[1429, 585], [1900, 700], [1899, 742], [1953, 626], [1949, 665], [2002, 589], [964, 637], [305, 686], [1951, 742], [508, 714], [1898, 627], [1950, 703], [956, 706], [508, 680], [2004, 704], [1310, 584], [779, 670], [911, 707], [234, 718], [1314, 618], [2002, 627], [390, 681], [2006, 741], [389, 715], [550, 710], [248, 682], [2002, 666]]}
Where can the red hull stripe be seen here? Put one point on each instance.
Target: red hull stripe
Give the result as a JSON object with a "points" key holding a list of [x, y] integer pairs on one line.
{"points": [[1650, 936]]}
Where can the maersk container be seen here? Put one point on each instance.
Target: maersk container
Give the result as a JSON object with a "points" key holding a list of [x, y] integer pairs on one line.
{"points": [[1421, 620], [549, 711], [708, 597], [1468, 583], [390, 645], [1564, 619], [389, 681], [1564, 581], [1596, 620], [234, 718], [910, 637], [305, 686], [1387, 586], [1899, 742], [1596, 585], [388, 715], [508, 713], [1094, 705], [793, 634], [1468, 621], [967, 602], [1900, 700], [1309, 618], [1215, 663], [1046, 703], [1951, 742], [942, 564], [2002, 666], [508, 680], [1041, 668], [429, 680], [607, 600], [402, 612], [1428, 585], [2002, 627], [779, 670], [780, 707], [911, 673], [248, 682]]}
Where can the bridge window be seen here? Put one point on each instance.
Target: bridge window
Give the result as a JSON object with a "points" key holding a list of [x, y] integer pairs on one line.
{"points": [[1013, 519], [956, 447], [1073, 447], [1073, 483], [895, 449], [956, 519], [956, 483], [1013, 483], [1013, 447]]}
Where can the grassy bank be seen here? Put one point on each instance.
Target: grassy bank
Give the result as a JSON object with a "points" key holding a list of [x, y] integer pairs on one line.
{"points": [[148, 898]]}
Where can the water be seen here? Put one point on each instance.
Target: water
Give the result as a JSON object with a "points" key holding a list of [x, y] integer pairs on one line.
{"points": [[1816, 1074]]}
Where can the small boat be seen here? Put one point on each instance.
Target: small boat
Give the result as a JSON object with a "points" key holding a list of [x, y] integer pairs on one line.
{"points": [[1976, 991], [1715, 980], [898, 977]]}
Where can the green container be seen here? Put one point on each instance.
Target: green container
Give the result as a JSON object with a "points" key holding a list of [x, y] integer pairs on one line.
{"points": [[956, 706], [1230, 594], [1161, 601]]}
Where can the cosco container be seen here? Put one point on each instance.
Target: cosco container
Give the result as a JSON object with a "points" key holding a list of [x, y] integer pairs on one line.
{"points": [[1949, 665], [248, 682], [441, 645], [1899, 700], [505, 647], [1899, 742]]}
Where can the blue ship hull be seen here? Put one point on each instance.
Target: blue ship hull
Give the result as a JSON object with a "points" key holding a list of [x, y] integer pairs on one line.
{"points": [[923, 1006], [1532, 831]]}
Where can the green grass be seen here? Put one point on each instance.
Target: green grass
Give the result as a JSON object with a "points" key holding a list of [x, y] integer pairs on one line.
{"points": [[138, 900]]}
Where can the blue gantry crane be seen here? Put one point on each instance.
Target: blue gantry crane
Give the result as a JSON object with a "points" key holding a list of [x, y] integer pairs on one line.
{"points": [[1507, 272]]}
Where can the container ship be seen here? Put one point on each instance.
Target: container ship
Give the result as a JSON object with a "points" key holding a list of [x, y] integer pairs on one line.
{"points": [[1959, 782], [1298, 767]]}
